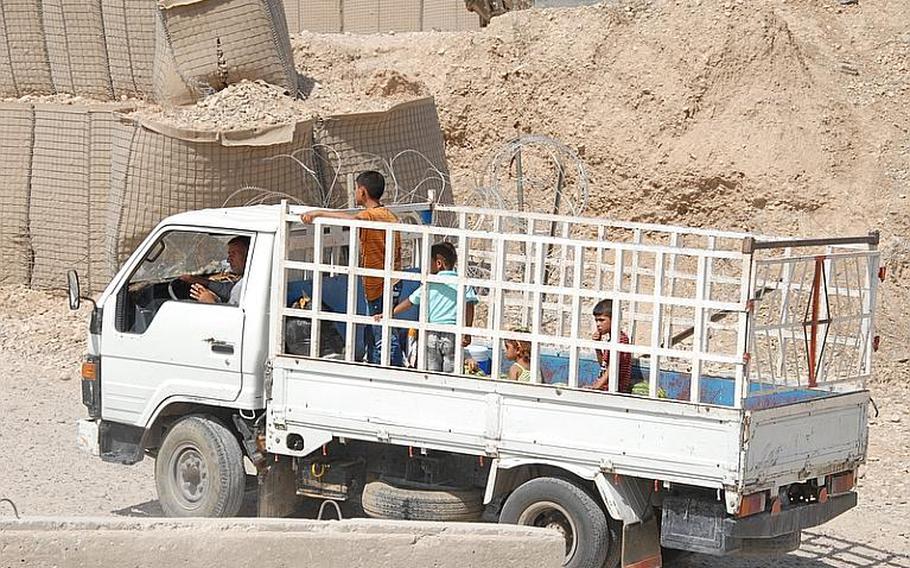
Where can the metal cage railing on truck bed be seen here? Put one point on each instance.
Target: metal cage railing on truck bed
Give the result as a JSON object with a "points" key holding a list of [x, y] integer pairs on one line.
{"points": [[712, 317]]}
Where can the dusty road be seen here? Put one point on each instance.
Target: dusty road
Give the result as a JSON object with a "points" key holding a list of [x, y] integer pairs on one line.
{"points": [[45, 474]]}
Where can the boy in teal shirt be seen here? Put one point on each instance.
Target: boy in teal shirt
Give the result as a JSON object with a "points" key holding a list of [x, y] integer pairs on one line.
{"points": [[442, 305]]}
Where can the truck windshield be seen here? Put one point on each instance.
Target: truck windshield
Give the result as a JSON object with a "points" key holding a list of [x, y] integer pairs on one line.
{"points": [[183, 252]]}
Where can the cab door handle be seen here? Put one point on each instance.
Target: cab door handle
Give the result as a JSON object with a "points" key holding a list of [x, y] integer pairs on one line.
{"points": [[219, 346]]}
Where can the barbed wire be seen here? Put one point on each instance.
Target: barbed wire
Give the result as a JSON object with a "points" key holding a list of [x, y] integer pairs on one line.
{"points": [[319, 159]]}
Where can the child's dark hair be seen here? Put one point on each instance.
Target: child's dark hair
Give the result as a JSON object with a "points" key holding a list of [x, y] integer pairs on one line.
{"points": [[604, 308], [446, 251], [373, 182], [523, 347]]}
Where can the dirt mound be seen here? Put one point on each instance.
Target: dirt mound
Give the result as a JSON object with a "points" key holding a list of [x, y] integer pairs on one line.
{"points": [[780, 101], [246, 104], [775, 117]]}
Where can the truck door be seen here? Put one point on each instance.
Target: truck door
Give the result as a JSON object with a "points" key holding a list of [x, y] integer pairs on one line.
{"points": [[158, 342]]}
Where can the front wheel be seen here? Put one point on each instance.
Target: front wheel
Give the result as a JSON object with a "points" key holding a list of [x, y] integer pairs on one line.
{"points": [[591, 539], [199, 470]]}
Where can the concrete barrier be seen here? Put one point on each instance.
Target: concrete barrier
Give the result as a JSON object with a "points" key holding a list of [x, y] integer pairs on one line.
{"points": [[203, 543]]}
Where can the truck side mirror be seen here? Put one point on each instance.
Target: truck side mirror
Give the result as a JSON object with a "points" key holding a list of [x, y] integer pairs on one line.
{"points": [[72, 286]]}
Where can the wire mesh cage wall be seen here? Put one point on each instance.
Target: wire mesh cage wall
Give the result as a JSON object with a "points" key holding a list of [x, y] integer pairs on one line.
{"points": [[813, 318], [24, 64], [156, 174], [129, 33], [210, 45], [699, 313], [404, 143], [15, 168]]}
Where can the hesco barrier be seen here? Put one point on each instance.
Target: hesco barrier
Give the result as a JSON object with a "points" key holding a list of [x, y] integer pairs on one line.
{"points": [[215, 543], [68, 194], [78, 54], [129, 31], [24, 65], [377, 16], [215, 43], [386, 141], [15, 169], [157, 171], [107, 49], [80, 186]]}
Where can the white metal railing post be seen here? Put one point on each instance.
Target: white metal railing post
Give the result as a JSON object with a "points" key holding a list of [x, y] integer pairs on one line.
{"points": [[350, 328], [615, 321], [868, 329], [671, 272], [699, 326], [318, 272], [745, 335], [656, 324], [426, 258], [279, 282], [576, 316], [600, 261], [633, 305], [786, 280], [529, 261], [385, 330], [461, 306], [498, 269], [828, 285], [540, 274], [563, 262]]}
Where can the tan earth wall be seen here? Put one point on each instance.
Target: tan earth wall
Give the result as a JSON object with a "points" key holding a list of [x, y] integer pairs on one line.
{"points": [[81, 186], [378, 16], [215, 543]]}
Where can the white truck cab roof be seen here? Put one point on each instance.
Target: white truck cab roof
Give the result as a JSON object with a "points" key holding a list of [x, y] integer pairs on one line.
{"points": [[256, 218]]}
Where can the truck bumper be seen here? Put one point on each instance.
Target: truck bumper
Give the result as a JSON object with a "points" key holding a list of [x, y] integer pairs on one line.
{"points": [[698, 526], [87, 436]]}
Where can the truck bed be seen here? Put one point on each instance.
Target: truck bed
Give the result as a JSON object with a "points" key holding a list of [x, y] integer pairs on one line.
{"points": [[701, 445]]}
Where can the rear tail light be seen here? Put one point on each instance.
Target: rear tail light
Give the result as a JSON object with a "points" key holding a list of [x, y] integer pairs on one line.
{"points": [[841, 483], [89, 370], [751, 504]]}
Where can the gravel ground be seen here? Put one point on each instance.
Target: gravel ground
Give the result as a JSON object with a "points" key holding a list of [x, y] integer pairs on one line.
{"points": [[44, 473]]}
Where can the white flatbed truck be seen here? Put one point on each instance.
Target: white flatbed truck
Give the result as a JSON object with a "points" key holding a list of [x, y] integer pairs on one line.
{"points": [[748, 425]]}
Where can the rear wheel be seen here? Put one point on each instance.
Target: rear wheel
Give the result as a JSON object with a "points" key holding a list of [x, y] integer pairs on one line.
{"points": [[199, 470], [591, 540]]}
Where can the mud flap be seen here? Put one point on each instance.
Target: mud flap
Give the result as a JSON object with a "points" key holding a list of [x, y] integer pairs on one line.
{"points": [[641, 544], [277, 489]]}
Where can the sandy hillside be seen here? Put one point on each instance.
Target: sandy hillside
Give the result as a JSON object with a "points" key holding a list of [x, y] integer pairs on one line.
{"points": [[780, 117], [785, 116]]}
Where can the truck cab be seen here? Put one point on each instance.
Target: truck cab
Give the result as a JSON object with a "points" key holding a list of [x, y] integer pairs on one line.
{"points": [[738, 342]]}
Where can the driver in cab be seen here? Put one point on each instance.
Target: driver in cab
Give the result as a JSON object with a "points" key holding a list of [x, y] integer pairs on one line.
{"points": [[201, 288]]}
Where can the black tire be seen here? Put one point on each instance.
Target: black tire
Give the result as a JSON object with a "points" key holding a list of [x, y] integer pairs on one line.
{"points": [[591, 541], [199, 470], [418, 502]]}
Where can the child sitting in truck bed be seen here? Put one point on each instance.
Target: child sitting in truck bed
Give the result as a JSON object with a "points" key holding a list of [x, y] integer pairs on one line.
{"points": [[603, 323], [520, 352], [441, 309]]}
